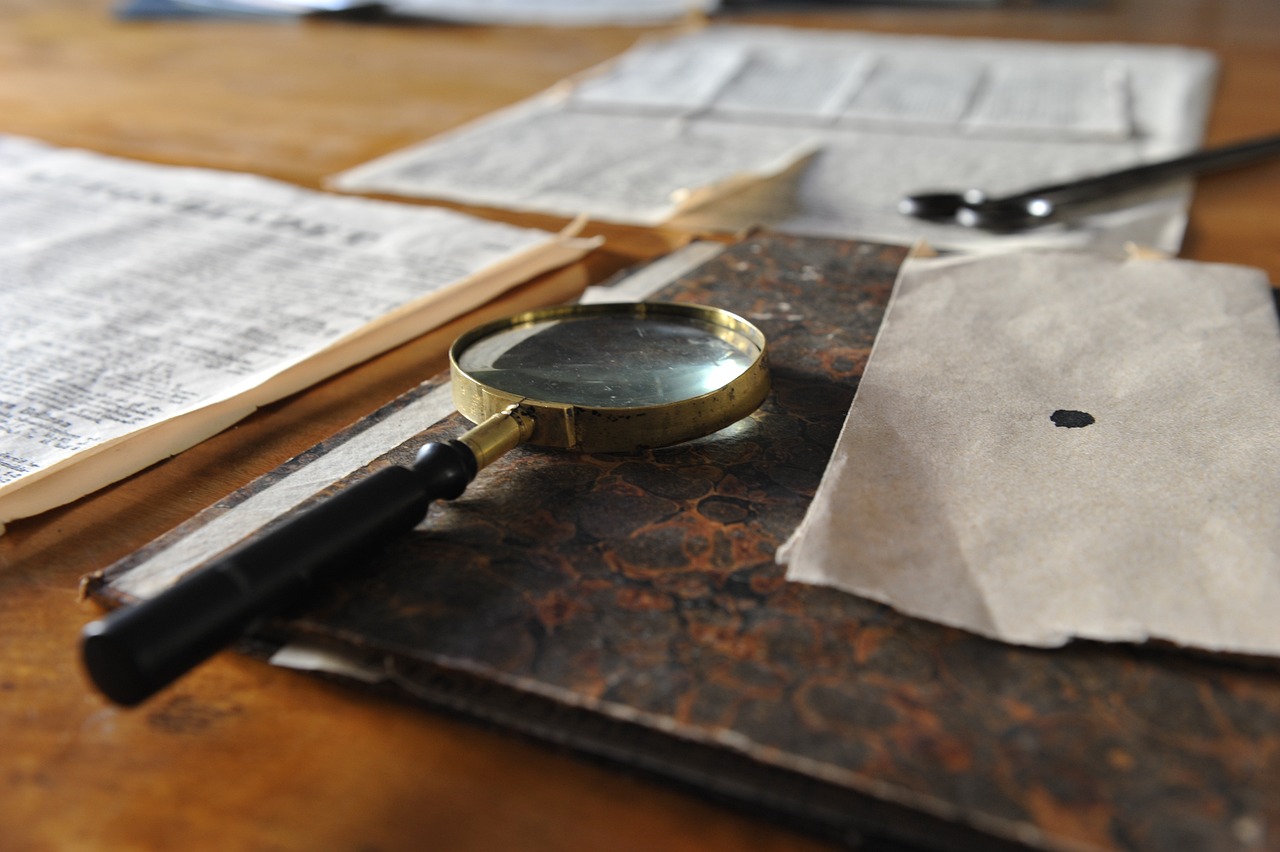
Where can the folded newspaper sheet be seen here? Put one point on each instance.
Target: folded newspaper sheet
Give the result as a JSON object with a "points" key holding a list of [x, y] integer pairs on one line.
{"points": [[822, 132]]}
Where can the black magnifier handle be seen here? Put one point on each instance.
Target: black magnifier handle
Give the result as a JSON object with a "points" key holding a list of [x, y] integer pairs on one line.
{"points": [[133, 652]]}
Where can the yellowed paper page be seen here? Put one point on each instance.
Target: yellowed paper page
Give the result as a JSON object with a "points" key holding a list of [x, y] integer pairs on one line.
{"points": [[1057, 445]]}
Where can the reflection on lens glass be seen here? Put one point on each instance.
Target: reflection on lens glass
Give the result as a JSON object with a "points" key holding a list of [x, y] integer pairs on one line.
{"points": [[610, 361]]}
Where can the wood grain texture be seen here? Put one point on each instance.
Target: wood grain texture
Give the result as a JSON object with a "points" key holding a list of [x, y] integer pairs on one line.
{"points": [[242, 756]]}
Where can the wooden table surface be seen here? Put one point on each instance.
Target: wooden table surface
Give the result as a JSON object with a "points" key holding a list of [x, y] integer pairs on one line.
{"points": [[243, 756]]}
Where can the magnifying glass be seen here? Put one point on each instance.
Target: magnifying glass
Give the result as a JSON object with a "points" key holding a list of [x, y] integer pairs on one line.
{"points": [[595, 378]]}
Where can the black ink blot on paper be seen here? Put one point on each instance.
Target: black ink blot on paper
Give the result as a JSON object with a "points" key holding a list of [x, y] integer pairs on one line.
{"points": [[1071, 419]]}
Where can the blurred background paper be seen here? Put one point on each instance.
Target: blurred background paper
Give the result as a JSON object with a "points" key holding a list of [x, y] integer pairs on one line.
{"points": [[1056, 445], [564, 13], [822, 133], [541, 156]]}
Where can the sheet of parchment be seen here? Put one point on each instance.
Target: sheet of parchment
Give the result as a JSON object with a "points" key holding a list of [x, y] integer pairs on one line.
{"points": [[1057, 445]]}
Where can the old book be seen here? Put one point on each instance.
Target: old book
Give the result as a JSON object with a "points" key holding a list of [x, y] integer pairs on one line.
{"points": [[629, 607]]}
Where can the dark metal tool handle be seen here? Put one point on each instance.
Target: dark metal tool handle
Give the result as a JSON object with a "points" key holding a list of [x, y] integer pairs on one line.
{"points": [[133, 652], [1065, 200], [1199, 162], [1031, 208]]}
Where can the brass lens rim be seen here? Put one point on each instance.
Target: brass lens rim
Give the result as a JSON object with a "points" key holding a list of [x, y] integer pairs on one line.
{"points": [[622, 429]]}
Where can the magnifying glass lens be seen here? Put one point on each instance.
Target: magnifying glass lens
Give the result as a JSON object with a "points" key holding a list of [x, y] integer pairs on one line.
{"points": [[614, 361]]}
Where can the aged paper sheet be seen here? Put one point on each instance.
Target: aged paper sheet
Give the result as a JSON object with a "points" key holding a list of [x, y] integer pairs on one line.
{"points": [[144, 308], [822, 133], [1056, 445]]}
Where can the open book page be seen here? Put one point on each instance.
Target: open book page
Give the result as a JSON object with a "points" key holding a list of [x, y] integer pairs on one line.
{"points": [[884, 116], [144, 308], [1055, 445]]}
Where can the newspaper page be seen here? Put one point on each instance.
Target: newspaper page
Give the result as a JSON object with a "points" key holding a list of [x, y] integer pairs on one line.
{"points": [[1048, 445], [144, 308], [540, 156], [836, 127]]}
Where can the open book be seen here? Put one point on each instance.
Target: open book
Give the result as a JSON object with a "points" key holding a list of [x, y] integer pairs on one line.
{"points": [[144, 308]]}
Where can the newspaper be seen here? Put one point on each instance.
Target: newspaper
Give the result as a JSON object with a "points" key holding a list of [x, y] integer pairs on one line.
{"points": [[144, 308], [541, 155], [1048, 445], [822, 133]]}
